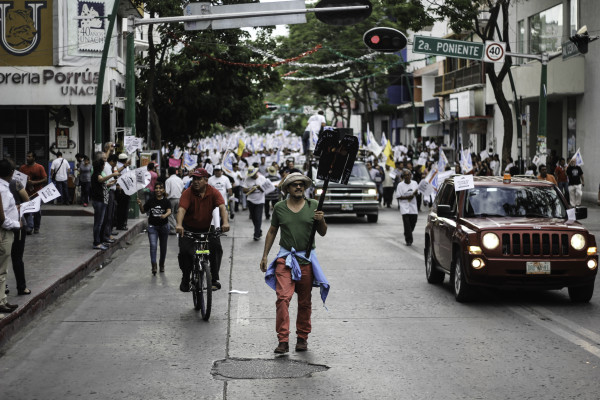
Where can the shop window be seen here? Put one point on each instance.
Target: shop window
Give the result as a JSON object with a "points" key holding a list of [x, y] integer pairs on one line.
{"points": [[546, 30]]}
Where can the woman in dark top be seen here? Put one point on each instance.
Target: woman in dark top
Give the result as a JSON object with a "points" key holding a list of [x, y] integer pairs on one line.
{"points": [[99, 196], [158, 209], [18, 246]]}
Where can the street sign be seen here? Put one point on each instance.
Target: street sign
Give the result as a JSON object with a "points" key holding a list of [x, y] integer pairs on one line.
{"points": [[342, 18], [387, 40], [569, 49], [229, 23], [448, 47], [494, 51]]}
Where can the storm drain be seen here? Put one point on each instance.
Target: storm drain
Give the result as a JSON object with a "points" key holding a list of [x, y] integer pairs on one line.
{"points": [[253, 368]]}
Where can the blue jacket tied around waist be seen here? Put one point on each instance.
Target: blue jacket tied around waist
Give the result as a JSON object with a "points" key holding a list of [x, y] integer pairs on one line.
{"points": [[291, 262]]}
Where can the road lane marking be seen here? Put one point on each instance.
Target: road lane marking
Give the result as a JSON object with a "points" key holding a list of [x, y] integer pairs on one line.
{"points": [[584, 344], [243, 310], [591, 335]]}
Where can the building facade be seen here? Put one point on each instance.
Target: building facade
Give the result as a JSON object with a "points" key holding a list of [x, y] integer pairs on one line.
{"points": [[49, 67]]}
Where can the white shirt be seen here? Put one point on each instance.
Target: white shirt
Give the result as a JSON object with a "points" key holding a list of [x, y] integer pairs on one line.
{"points": [[406, 189], [314, 123], [495, 166], [258, 196], [108, 170], [221, 184], [174, 187], [62, 173], [508, 167], [11, 214]]}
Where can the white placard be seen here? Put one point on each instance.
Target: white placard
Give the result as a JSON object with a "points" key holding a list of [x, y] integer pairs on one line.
{"points": [[140, 174], [392, 174], [267, 186], [127, 182], [483, 155], [49, 193], [463, 182], [425, 188], [216, 218], [571, 214], [30, 206], [21, 177], [209, 168]]}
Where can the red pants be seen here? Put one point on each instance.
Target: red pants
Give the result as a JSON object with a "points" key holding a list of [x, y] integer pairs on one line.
{"points": [[285, 290]]}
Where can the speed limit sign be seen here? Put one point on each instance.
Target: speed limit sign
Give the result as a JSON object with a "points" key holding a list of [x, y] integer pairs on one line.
{"points": [[494, 51]]}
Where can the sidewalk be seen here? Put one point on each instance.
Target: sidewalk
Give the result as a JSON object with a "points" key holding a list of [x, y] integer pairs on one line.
{"points": [[56, 259]]}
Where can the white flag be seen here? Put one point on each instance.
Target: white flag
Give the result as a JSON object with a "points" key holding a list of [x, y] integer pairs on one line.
{"points": [[30, 206], [578, 159], [49, 193]]}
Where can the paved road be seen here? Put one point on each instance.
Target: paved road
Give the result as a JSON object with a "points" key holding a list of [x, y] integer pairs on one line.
{"points": [[387, 334]]}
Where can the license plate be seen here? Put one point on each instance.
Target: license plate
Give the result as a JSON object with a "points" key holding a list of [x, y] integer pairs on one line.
{"points": [[347, 207], [538, 267]]}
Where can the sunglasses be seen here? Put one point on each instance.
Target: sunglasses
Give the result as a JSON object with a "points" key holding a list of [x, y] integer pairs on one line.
{"points": [[297, 184]]}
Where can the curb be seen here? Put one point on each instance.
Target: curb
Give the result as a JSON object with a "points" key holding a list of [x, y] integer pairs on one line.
{"points": [[12, 323]]}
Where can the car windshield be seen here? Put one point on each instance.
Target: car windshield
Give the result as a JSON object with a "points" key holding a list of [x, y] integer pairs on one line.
{"points": [[359, 171], [514, 201]]}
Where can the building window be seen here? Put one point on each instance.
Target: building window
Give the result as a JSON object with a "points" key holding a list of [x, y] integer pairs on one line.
{"points": [[546, 30], [22, 130], [520, 42], [573, 17]]}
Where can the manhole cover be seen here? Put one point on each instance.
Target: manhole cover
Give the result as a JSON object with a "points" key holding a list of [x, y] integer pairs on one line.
{"points": [[253, 368]]}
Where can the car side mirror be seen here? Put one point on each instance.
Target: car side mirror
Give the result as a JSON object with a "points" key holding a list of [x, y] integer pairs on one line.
{"points": [[444, 211], [580, 213]]}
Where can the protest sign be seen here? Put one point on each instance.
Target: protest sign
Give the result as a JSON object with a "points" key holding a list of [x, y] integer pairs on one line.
{"points": [[49, 193], [267, 186], [463, 182], [30, 206], [127, 182], [21, 177]]}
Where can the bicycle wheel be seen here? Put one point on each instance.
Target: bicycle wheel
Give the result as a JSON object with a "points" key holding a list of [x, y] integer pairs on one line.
{"points": [[203, 293], [196, 284]]}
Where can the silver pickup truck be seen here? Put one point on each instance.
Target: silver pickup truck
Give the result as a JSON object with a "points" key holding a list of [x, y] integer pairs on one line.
{"points": [[358, 197]]}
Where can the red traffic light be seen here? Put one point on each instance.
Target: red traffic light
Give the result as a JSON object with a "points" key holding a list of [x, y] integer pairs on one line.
{"points": [[387, 40]]}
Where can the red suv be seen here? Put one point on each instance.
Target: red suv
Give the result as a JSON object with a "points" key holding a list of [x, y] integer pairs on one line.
{"points": [[509, 233]]}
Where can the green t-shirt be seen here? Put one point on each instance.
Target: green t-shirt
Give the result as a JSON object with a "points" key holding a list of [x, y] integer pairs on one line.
{"points": [[294, 227]]}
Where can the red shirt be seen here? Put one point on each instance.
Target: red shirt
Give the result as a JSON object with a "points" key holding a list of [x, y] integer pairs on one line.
{"points": [[35, 172], [198, 214]]}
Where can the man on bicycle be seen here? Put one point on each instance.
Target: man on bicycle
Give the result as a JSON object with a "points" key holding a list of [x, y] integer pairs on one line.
{"points": [[195, 214], [292, 271]]}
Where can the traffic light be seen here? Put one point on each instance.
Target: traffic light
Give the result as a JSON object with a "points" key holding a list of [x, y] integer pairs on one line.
{"points": [[387, 40]]}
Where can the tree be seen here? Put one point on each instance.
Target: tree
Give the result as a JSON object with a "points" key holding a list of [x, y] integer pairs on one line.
{"points": [[197, 80]]}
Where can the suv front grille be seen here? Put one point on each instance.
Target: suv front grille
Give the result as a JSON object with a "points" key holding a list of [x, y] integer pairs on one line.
{"points": [[536, 244]]}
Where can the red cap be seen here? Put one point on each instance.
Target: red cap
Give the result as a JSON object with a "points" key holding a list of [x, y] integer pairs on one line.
{"points": [[201, 172]]}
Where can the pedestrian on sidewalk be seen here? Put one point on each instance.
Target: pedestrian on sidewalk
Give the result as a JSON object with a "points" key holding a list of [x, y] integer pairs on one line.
{"points": [[121, 198], [173, 188], [406, 192], [59, 171], [99, 194], [255, 198], [158, 209], [85, 180], [292, 271], [36, 179], [10, 223], [18, 247]]}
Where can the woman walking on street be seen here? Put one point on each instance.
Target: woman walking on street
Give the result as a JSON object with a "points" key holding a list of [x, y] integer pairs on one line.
{"points": [[158, 209]]}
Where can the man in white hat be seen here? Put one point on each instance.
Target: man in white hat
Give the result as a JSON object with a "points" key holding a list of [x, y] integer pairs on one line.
{"points": [[292, 271], [252, 187]]}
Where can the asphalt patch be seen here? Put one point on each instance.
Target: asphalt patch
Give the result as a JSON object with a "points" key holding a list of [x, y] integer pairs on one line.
{"points": [[255, 368]]}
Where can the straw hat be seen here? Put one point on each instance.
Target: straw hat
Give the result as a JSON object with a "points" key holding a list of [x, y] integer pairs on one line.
{"points": [[294, 177], [252, 170]]}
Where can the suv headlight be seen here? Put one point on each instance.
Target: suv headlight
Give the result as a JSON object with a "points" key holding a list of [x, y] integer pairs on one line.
{"points": [[577, 241], [372, 192], [319, 192], [490, 241]]}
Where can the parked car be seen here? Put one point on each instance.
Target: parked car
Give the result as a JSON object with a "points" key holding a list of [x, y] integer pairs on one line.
{"points": [[518, 234], [358, 197]]}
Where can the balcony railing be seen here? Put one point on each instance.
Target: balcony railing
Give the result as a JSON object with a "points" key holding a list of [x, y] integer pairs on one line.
{"points": [[460, 78]]}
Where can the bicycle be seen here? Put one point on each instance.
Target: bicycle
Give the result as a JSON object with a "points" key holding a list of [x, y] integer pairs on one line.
{"points": [[201, 279]]}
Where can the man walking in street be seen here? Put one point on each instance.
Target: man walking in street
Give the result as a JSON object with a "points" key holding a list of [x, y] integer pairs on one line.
{"points": [[252, 187], [316, 123], [36, 178], [174, 188], [560, 172], [406, 192], [221, 183], [292, 271], [10, 223], [544, 175], [59, 171], [576, 183]]}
